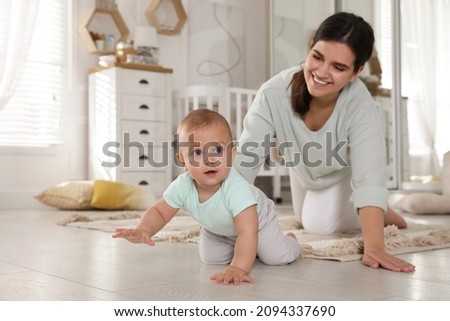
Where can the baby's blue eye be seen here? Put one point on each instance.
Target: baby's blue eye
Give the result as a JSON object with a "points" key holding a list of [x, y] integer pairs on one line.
{"points": [[218, 150], [197, 152]]}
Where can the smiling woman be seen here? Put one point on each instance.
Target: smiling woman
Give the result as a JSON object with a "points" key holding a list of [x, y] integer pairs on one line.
{"points": [[304, 105]]}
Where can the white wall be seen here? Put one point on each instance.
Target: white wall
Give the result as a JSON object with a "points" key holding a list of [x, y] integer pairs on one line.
{"points": [[292, 28], [226, 42], [25, 172], [294, 22]]}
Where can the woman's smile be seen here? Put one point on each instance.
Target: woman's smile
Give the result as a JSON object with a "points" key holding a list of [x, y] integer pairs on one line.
{"points": [[319, 81]]}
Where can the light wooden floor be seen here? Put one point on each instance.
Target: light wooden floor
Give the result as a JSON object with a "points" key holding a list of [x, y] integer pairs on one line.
{"points": [[40, 260]]}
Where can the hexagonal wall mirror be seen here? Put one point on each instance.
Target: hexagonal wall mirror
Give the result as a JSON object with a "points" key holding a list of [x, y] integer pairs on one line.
{"points": [[167, 16], [103, 21]]}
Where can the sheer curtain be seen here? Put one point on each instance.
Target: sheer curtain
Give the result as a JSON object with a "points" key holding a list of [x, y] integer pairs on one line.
{"points": [[419, 79], [442, 83], [425, 50], [17, 21]]}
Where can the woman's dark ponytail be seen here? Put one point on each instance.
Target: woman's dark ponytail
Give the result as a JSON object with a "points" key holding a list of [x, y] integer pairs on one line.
{"points": [[300, 96]]}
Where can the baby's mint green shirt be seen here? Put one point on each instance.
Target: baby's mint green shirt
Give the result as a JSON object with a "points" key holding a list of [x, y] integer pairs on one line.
{"points": [[217, 213], [351, 142]]}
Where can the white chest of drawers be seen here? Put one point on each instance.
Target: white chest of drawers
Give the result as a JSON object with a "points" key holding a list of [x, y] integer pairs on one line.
{"points": [[130, 121]]}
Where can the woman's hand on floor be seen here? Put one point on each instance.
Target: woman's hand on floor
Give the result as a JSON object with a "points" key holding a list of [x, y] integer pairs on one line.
{"points": [[376, 259]]}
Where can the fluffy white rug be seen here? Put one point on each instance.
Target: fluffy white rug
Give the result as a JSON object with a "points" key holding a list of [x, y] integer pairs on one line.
{"points": [[340, 247]]}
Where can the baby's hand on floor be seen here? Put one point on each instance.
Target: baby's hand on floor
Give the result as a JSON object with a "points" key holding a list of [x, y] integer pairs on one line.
{"points": [[134, 236], [232, 275]]}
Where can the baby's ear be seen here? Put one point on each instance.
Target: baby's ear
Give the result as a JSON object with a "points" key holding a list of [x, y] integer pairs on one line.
{"points": [[180, 159], [233, 151]]}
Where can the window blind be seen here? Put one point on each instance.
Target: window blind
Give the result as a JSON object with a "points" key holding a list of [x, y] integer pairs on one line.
{"points": [[32, 115]]}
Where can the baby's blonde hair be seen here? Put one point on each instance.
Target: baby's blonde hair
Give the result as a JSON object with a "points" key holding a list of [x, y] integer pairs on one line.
{"points": [[203, 118]]}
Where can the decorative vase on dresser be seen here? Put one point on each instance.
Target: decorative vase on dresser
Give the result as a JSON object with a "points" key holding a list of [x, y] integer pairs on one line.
{"points": [[130, 125]]}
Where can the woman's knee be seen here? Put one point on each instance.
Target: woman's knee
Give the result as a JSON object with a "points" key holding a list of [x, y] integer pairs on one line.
{"points": [[329, 228]]}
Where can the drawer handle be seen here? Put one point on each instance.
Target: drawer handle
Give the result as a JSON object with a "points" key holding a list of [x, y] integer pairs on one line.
{"points": [[144, 132], [144, 107], [143, 183], [142, 157], [143, 82]]}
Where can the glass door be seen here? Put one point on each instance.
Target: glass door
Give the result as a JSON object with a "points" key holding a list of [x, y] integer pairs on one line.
{"points": [[413, 54], [411, 61], [424, 71], [382, 79]]}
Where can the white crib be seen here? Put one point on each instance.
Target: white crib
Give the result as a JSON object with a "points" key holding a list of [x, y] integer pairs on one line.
{"points": [[232, 103]]}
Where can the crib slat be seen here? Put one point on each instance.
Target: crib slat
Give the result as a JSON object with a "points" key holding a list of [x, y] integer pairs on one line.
{"points": [[195, 104], [238, 115], [209, 102], [186, 107]]}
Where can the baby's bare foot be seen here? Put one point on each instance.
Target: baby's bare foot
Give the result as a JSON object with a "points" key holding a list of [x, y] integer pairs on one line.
{"points": [[392, 218], [291, 235]]}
